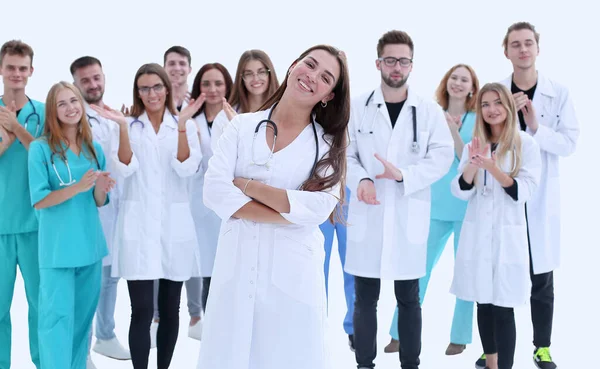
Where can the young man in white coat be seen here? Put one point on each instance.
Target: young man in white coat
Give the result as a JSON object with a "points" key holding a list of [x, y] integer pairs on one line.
{"points": [[88, 77], [178, 65], [556, 130], [399, 145]]}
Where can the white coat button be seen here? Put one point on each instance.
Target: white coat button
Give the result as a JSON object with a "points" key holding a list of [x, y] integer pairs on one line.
{"points": [[249, 296], [251, 282]]}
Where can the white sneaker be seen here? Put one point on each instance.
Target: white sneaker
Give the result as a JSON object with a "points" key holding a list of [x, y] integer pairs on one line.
{"points": [[153, 330], [112, 348], [195, 331], [89, 363]]}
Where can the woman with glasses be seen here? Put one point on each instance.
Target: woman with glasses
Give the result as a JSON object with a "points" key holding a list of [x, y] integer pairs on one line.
{"points": [[155, 237], [267, 306], [211, 87], [68, 184], [255, 82]]}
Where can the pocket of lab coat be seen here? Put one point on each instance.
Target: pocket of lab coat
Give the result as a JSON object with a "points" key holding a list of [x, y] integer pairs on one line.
{"points": [[515, 249], [133, 217], [417, 229], [357, 221], [182, 223], [295, 270], [225, 262]]}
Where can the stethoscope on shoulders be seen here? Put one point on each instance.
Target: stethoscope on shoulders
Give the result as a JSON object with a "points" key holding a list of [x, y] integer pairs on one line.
{"points": [[415, 145], [33, 114], [269, 123], [137, 120]]}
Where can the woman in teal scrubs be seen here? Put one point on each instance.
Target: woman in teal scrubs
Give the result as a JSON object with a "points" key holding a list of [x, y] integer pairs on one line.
{"points": [[67, 183], [457, 94]]}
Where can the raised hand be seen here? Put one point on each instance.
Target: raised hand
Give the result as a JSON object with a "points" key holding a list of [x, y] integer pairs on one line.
{"points": [[193, 106], [520, 100], [110, 114], [454, 123], [229, 111], [529, 116], [8, 117], [483, 162], [367, 193], [477, 149], [390, 171], [126, 111]]}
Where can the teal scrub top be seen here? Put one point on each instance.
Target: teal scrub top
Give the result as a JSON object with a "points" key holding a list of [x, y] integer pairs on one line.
{"points": [[14, 183], [70, 233], [444, 205]]}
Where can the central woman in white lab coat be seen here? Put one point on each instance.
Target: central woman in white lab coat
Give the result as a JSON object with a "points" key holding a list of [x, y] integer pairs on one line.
{"points": [[267, 306]]}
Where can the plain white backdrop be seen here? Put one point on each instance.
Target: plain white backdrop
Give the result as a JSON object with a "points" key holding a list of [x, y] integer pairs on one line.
{"points": [[126, 34]]}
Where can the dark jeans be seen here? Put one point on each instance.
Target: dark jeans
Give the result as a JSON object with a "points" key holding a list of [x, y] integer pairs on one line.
{"points": [[542, 307], [141, 294], [498, 333], [365, 321], [205, 289]]}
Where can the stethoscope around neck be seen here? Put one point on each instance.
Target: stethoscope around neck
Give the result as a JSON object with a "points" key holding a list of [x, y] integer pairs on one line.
{"points": [[485, 191], [32, 114], [71, 180], [137, 120], [415, 144], [269, 123]]}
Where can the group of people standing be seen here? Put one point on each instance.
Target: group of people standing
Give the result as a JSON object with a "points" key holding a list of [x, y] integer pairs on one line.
{"points": [[235, 187]]}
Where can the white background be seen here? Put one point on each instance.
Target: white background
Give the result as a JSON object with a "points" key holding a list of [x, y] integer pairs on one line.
{"points": [[126, 34]]}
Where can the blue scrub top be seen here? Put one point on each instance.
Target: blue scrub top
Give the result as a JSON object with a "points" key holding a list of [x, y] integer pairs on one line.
{"points": [[14, 182], [70, 233], [444, 205]]}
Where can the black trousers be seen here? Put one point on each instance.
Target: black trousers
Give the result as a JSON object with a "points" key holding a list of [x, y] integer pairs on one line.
{"points": [[498, 332], [141, 294], [205, 289], [365, 321]]}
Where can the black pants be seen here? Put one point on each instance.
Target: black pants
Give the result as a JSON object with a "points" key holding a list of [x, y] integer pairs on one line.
{"points": [[365, 321], [498, 333], [141, 294], [205, 289]]}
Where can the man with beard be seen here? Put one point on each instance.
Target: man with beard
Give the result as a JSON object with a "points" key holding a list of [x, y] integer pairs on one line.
{"points": [[89, 78], [400, 144]]}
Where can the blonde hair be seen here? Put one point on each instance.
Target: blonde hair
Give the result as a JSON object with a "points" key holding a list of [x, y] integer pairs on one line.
{"points": [[510, 137], [441, 94], [52, 128]]}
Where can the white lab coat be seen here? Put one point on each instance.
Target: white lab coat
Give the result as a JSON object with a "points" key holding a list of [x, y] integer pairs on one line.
{"points": [[206, 221], [106, 133], [557, 137], [155, 236], [492, 261], [267, 304], [389, 241]]}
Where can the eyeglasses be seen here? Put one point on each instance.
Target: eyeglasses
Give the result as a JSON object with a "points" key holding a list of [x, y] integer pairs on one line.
{"points": [[390, 61], [261, 74], [146, 90]]}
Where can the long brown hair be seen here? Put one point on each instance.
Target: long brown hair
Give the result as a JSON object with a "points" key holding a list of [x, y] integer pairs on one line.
{"points": [[334, 120], [196, 87], [138, 104], [239, 94], [441, 94], [52, 128], [510, 138]]}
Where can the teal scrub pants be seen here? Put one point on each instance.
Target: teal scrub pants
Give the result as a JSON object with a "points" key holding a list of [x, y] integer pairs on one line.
{"points": [[19, 249], [462, 322], [68, 300]]}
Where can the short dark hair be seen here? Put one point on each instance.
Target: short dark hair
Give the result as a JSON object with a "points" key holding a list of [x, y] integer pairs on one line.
{"points": [[518, 27], [178, 50], [395, 37], [16, 47], [84, 61]]}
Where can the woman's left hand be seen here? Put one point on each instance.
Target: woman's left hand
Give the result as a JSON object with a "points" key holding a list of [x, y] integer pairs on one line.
{"points": [[484, 162], [104, 182]]}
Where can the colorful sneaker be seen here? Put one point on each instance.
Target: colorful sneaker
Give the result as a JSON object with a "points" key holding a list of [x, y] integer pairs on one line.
{"points": [[480, 363], [542, 358]]}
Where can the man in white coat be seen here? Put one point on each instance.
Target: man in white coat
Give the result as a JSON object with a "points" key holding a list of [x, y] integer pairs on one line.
{"points": [[178, 65], [88, 77], [399, 145], [556, 130]]}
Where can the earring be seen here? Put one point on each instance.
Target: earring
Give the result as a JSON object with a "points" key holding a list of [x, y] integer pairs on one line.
{"points": [[470, 95], [324, 104]]}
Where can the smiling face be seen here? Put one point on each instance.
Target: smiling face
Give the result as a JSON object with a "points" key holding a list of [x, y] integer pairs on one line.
{"points": [[256, 77], [396, 75], [16, 70], [152, 91], [69, 109], [213, 85], [522, 48], [313, 78], [90, 81], [460, 83], [493, 110], [178, 68]]}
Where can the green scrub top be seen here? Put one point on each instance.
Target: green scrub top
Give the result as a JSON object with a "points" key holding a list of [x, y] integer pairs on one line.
{"points": [[444, 205], [70, 233], [14, 184]]}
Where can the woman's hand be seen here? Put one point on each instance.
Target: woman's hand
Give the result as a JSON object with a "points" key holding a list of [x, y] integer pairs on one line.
{"points": [[110, 114], [104, 182]]}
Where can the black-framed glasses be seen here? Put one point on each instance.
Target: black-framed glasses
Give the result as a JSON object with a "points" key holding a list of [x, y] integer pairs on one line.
{"points": [[391, 61], [261, 74], [145, 90]]}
